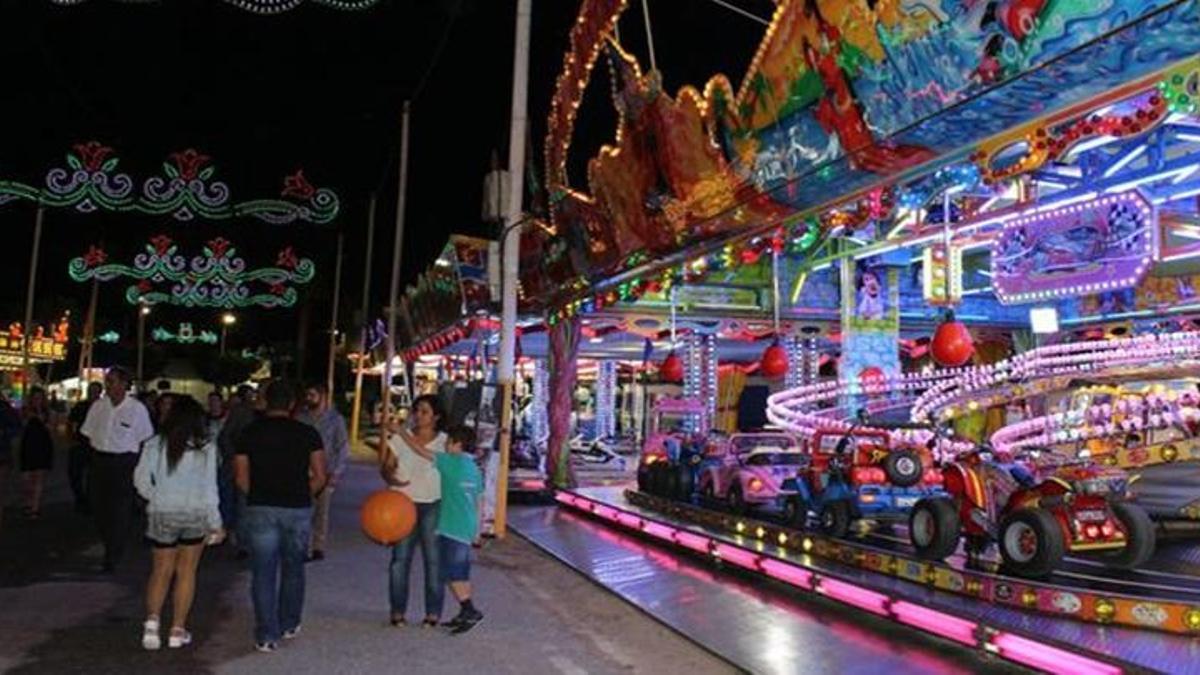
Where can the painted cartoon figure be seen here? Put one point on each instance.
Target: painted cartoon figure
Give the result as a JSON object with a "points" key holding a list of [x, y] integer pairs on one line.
{"points": [[871, 304]]}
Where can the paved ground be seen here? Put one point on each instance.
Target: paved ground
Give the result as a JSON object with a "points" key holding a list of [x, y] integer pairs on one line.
{"points": [[58, 615]]}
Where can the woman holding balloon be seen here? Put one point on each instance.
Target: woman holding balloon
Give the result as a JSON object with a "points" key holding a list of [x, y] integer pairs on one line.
{"points": [[407, 471]]}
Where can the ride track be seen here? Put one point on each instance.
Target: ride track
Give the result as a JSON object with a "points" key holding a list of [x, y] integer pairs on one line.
{"points": [[1082, 590]]}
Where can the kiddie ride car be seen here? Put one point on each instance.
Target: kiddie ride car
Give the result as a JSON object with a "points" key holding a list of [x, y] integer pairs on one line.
{"points": [[1037, 509], [751, 470], [858, 475], [670, 455]]}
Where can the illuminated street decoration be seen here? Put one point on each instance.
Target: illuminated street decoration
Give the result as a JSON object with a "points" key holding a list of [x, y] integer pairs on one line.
{"points": [[185, 335], [268, 7], [110, 337], [1098, 246], [90, 181], [216, 278]]}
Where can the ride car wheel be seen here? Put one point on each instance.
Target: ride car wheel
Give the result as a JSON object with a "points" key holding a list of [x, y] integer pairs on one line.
{"points": [[795, 512], [1031, 542], [736, 503], [933, 528], [1139, 533], [835, 518], [903, 467]]}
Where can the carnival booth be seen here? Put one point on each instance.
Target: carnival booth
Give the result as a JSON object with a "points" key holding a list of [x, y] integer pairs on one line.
{"points": [[967, 243]]}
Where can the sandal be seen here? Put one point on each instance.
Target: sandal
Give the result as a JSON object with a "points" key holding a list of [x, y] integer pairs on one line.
{"points": [[150, 638], [179, 638]]}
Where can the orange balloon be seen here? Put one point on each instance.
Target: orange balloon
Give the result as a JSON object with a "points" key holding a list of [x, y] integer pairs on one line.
{"points": [[388, 516]]}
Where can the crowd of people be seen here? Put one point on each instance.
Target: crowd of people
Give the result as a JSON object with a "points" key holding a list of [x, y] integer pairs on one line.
{"points": [[258, 473]]}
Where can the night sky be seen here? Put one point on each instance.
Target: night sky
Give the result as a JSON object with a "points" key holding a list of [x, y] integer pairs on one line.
{"points": [[314, 88]]}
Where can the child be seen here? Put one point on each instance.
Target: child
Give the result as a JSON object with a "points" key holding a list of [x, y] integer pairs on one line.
{"points": [[458, 522]]}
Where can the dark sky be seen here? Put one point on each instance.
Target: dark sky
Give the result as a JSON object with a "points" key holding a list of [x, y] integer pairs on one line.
{"points": [[313, 88]]}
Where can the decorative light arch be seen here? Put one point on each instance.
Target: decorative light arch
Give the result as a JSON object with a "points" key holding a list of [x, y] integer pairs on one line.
{"points": [[90, 181], [268, 6], [216, 278]]}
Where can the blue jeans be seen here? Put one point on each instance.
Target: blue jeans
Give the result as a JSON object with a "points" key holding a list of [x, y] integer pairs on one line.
{"points": [[228, 494], [278, 541], [424, 535]]}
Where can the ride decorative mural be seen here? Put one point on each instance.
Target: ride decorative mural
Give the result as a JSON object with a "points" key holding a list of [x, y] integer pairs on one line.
{"points": [[185, 190], [217, 277], [878, 89]]}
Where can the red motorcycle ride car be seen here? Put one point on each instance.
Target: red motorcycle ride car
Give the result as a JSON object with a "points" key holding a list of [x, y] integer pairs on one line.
{"points": [[1037, 510]]}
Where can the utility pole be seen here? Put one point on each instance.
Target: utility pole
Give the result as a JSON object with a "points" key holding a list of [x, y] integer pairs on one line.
{"points": [[333, 321], [512, 258], [356, 411], [30, 289], [394, 288]]}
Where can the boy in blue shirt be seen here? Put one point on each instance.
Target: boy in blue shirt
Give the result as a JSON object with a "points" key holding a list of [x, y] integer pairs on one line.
{"points": [[458, 522]]}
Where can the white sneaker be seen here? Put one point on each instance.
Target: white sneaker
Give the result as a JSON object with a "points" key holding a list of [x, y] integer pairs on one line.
{"points": [[179, 638], [150, 638], [291, 634]]}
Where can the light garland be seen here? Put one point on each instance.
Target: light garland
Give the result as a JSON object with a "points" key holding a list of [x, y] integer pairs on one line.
{"points": [[978, 387], [710, 385], [217, 278], [606, 399], [797, 372], [89, 182], [539, 413], [693, 379], [1127, 415], [184, 335]]}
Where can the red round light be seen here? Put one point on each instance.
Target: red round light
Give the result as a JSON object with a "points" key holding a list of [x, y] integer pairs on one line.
{"points": [[774, 361], [671, 369], [951, 345]]}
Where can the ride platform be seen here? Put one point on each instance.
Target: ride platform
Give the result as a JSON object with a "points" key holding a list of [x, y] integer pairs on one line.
{"points": [[1085, 619]]}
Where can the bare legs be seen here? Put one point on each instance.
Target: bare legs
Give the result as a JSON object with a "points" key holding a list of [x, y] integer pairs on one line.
{"points": [[178, 562], [461, 590]]}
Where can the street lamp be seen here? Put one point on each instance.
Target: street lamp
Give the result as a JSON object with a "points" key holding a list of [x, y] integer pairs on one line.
{"points": [[143, 312], [227, 320]]}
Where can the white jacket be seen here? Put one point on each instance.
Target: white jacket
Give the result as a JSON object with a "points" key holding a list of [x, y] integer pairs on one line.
{"points": [[190, 488]]}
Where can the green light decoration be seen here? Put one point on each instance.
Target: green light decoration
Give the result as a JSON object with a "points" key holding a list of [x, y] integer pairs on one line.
{"points": [[184, 335], [111, 337], [185, 190], [216, 278]]}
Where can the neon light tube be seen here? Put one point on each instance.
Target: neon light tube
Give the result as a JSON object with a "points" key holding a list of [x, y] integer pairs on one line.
{"points": [[605, 512], [1047, 658], [1124, 161], [692, 541], [658, 530], [938, 623], [565, 498], [738, 556], [789, 574], [873, 602], [629, 520]]}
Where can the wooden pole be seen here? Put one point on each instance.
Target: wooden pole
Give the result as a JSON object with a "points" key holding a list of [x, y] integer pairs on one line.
{"points": [[356, 412], [30, 289], [394, 288], [333, 321], [89, 335]]}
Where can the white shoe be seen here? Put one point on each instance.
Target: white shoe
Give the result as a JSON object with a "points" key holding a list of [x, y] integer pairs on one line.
{"points": [[291, 634], [179, 638], [150, 639]]}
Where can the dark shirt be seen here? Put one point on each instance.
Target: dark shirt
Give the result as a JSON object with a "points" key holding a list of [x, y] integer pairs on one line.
{"points": [[78, 415], [240, 416], [278, 449]]}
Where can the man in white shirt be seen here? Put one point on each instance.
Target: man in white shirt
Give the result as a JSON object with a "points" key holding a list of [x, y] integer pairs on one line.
{"points": [[116, 425]]}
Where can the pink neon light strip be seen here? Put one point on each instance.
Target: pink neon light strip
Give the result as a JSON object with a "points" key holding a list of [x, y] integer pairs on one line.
{"points": [[738, 556], [629, 520], [938, 623], [1050, 659], [659, 530], [873, 602], [692, 541], [606, 512], [566, 498], [791, 574]]}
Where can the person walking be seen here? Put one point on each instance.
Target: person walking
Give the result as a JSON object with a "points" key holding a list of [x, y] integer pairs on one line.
{"points": [[177, 476], [280, 465], [10, 430], [37, 450], [411, 472], [79, 457], [329, 423], [116, 425], [240, 414]]}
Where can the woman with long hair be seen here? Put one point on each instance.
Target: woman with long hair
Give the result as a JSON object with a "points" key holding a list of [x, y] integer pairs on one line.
{"points": [[410, 472], [37, 449], [177, 475]]}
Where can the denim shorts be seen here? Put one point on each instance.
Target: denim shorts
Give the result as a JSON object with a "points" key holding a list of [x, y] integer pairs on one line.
{"points": [[455, 559]]}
